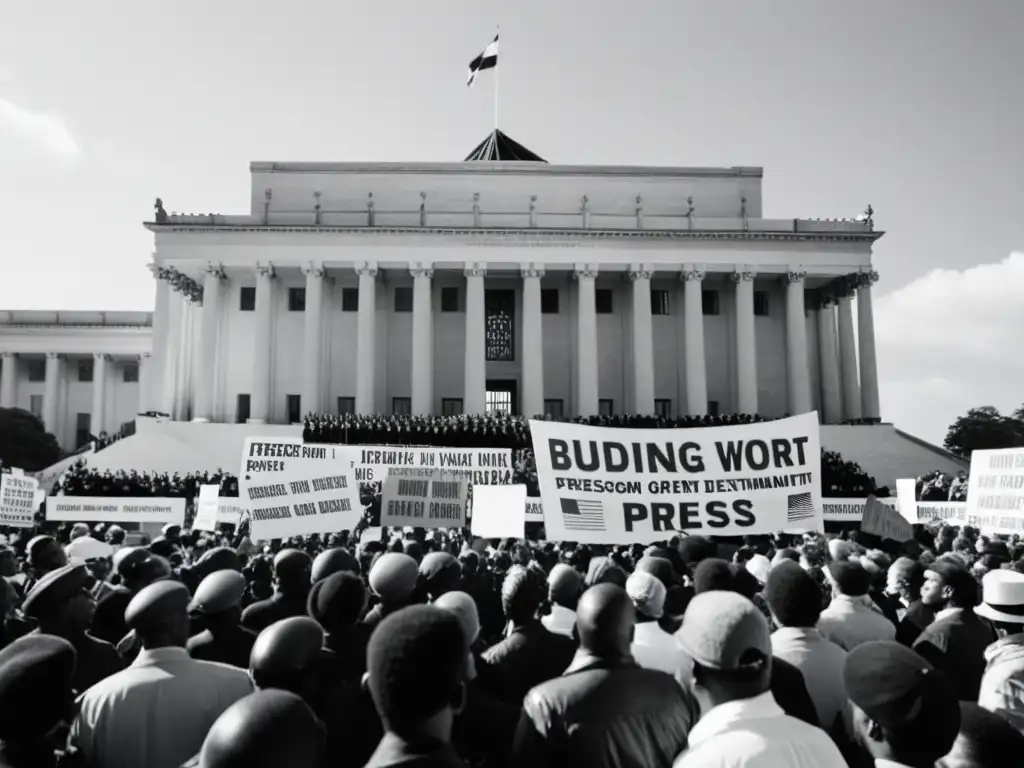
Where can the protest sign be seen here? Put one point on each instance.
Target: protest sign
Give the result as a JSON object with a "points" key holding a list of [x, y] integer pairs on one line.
{"points": [[534, 510], [424, 498], [206, 508], [995, 491], [481, 466], [499, 511], [615, 486], [230, 510], [882, 520], [18, 503], [295, 489], [847, 510], [85, 509]]}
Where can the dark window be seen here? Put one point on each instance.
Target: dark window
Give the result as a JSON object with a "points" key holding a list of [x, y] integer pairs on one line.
{"points": [[451, 406], [36, 370], [294, 406], [401, 406], [403, 299], [606, 407], [712, 407], [349, 299], [603, 301], [663, 408], [35, 405], [296, 299], [85, 369], [761, 303], [450, 299], [808, 299], [243, 408], [553, 408], [83, 429], [659, 303], [500, 308], [709, 302], [346, 405], [247, 298], [131, 373], [549, 301]]}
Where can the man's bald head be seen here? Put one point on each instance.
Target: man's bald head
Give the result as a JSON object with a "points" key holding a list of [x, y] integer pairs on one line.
{"points": [[604, 619]]}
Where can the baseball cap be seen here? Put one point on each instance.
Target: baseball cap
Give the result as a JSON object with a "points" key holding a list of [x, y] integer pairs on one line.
{"points": [[724, 631]]}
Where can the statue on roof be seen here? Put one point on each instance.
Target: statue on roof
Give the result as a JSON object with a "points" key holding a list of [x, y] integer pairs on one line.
{"points": [[161, 214], [869, 216]]}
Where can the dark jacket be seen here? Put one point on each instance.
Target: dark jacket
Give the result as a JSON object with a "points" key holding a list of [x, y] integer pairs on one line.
{"points": [[230, 644], [263, 613], [912, 622], [528, 657], [395, 751], [604, 713], [790, 692], [956, 644], [108, 622], [95, 660]]}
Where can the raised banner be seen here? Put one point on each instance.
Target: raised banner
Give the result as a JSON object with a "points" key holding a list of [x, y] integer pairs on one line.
{"points": [[230, 509], [499, 511], [534, 510], [480, 466], [87, 509], [206, 508], [847, 510], [995, 491], [296, 489], [18, 500], [604, 485], [424, 498], [883, 520]]}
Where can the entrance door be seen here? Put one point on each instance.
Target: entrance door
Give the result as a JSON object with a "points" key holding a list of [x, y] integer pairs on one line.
{"points": [[503, 396]]}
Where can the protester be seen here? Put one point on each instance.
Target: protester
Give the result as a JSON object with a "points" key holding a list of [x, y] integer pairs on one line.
{"points": [[1002, 684], [564, 586], [218, 602], [904, 580], [853, 618], [292, 569], [985, 740], [652, 646], [393, 579]]}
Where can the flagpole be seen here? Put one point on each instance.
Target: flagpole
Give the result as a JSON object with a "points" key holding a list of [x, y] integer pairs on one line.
{"points": [[498, 34]]}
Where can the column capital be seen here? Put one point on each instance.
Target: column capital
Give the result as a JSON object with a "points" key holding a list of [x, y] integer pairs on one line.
{"points": [[421, 269], [531, 270], [101, 356], [314, 269], [366, 269], [796, 276], [475, 270], [5, 355], [692, 272], [640, 272], [265, 270], [866, 278], [742, 276], [585, 271], [216, 271]]}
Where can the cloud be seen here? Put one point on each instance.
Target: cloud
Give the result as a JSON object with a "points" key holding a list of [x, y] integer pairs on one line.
{"points": [[949, 341], [43, 130]]}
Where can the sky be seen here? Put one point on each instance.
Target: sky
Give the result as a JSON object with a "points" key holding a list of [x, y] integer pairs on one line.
{"points": [[915, 107]]}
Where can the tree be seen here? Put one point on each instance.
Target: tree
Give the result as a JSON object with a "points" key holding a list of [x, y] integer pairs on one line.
{"points": [[985, 428], [24, 442]]}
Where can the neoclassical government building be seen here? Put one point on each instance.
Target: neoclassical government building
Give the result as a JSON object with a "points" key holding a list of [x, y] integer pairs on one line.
{"points": [[499, 282]]}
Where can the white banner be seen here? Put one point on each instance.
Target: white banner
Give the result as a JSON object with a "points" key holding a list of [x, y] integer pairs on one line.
{"points": [[995, 491], [616, 486], [499, 511], [481, 466], [294, 489], [847, 510], [884, 521], [424, 498], [86, 509], [18, 500], [206, 508], [230, 509]]}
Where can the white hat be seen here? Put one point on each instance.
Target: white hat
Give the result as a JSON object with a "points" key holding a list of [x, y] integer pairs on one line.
{"points": [[759, 567], [1003, 597], [87, 548]]}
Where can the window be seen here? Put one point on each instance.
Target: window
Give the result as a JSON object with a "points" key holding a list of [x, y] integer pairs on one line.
{"points": [[603, 301], [247, 298], [243, 408], [663, 408], [296, 299], [83, 429], [401, 406], [293, 403], [451, 406], [606, 407], [403, 299], [659, 303], [35, 404], [553, 408], [346, 406], [712, 407], [499, 400], [450, 299], [761, 303], [36, 370], [709, 302], [500, 328], [131, 373], [549, 301], [85, 370], [349, 299]]}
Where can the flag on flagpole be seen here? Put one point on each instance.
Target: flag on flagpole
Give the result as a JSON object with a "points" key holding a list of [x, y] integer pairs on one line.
{"points": [[488, 59]]}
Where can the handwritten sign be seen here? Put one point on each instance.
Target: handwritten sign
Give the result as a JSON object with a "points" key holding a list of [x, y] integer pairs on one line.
{"points": [[995, 491], [424, 498], [18, 500], [480, 466]]}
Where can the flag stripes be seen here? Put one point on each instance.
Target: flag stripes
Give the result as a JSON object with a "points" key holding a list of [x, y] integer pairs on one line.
{"points": [[487, 59], [799, 507], [582, 515]]}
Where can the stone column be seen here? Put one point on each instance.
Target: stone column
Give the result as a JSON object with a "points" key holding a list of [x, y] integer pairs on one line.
{"points": [[798, 374], [161, 339], [746, 344], [848, 359], [475, 388], [204, 406], [586, 341], [366, 353], [422, 339], [831, 396], [263, 340], [870, 406], [643, 341], [693, 337], [50, 393], [533, 343], [146, 394], [8, 379], [312, 362], [99, 393]]}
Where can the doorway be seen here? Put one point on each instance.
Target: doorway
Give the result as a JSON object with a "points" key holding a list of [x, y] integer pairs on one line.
{"points": [[502, 396]]}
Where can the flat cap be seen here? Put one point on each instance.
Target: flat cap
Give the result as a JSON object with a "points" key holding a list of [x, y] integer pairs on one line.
{"points": [[661, 568], [218, 592], [333, 561], [54, 589], [37, 546], [393, 577], [647, 593], [289, 563], [170, 530], [603, 570], [724, 631], [286, 646], [337, 601], [220, 559], [441, 572], [465, 610], [35, 685], [128, 559], [153, 605]]}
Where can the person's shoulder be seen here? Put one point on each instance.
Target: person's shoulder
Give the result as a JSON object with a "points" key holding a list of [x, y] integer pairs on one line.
{"points": [[200, 640], [221, 671]]}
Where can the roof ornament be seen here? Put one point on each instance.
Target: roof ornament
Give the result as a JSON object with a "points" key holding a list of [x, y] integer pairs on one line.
{"points": [[868, 217], [161, 214], [689, 212], [369, 210]]}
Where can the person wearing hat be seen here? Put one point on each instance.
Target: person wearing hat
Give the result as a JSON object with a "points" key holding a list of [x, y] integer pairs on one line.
{"points": [[291, 570], [61, 604], [393, 579], [903, 583], [605, 710], [1002, 685], [985, 740], [852, 617], [727, 638], [286, 655], [565, 584], [958, 638], [440, 572], [35, 698], [332, 561], [153, 569], [136, 568], [653, 647], [337, 603], [218, 602], [12, 623], [905, 712], [156, 712], [44, 554]]}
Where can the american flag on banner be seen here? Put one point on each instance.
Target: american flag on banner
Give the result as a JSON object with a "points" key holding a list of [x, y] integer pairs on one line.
{"points": [[582, 515], [799, 507]]}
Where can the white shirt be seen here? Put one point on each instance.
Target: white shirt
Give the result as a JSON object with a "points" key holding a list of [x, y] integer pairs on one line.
{"points": [[756, 733], [561, 620], [654, 648], [157, 712], [850, 621]]}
